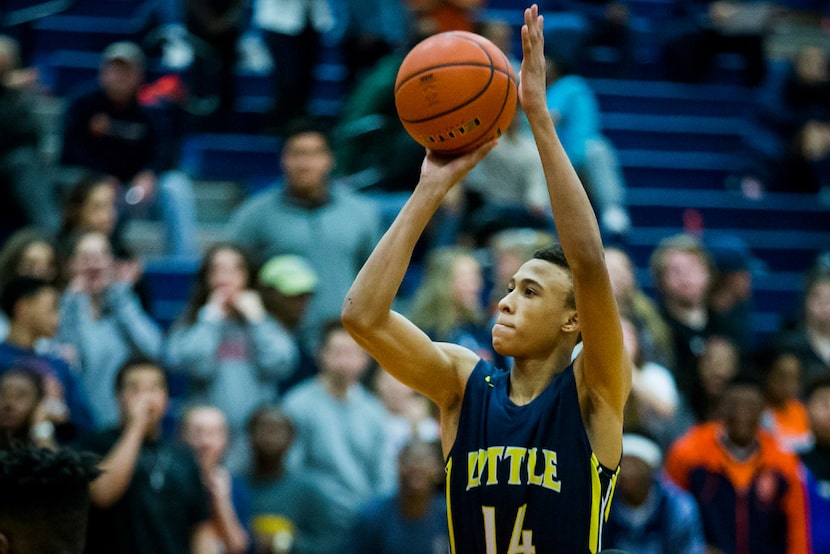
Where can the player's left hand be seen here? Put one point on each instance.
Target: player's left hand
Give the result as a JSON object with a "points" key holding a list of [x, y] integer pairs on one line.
{"points": [[446, 172], [532, 85]]}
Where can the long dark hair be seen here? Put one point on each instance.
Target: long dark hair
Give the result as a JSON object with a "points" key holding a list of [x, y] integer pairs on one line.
{"points": [[200, 291]]}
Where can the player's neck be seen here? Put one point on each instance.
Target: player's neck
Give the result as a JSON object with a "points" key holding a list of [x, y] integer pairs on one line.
{"points": [[529, 378]]}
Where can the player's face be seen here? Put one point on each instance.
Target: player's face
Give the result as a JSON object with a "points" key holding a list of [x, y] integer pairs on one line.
{"points": [[532, 314]]}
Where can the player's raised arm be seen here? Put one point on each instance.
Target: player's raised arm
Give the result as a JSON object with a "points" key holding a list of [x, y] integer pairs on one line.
{"points": [[602, 371], [396, 343]]}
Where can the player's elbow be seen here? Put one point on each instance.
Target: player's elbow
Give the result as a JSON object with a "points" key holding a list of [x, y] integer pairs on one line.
{"points": [[357, 320]]}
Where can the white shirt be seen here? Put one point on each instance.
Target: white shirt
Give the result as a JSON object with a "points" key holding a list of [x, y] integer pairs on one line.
{"points": [[290, 16]]}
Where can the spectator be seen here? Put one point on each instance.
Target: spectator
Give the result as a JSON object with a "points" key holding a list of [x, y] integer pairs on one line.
{"points": [[102, 319], [817, 462], [232, 352], [748, 490], [214, 30], [24, 414], [341, 430], [288, 283], [699, 30], [811, 336], [414, 519], [91, 205], [651, 515], [411, 415], [149, 496], [718, 364], [731, 295], [290, 512], [491, 206], [655, 335], [312, 217], [449, 303], [785, 416], [438, 16], [787, 145], [292, 31], [682, 273], [371, 29], [108, 131], [205, 430], [575, 111], [653, 401], [20, 137], [45, 499], [33, 307], [27, 252]]}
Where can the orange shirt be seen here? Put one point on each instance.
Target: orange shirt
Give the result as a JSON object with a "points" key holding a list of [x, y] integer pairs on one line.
{"points": [[700, 453]]}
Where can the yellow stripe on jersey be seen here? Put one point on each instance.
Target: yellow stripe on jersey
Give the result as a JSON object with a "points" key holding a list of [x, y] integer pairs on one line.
{"points": [[449, 506], [602, 491]]}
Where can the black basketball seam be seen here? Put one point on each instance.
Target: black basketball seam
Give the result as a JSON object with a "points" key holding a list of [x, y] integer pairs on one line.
{"points": [[483, 90], [501, 111]]}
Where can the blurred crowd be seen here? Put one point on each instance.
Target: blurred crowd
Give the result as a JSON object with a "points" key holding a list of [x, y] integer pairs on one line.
{"points": [[254, 422]]}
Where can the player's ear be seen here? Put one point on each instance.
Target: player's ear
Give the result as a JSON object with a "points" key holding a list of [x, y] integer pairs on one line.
{"points": [[572, 323]]}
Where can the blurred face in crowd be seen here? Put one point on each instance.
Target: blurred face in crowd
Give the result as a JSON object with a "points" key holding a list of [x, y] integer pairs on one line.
{"points": [[812, 65], [420, 468], [717, 365], [144, 383], [38, 259], [307, 161], [817, 306], [620, 271], [342, 359], [635, 480], [741, 407], [18, 400], [120, 80], [227, 271], [685, 278], [784, 379], [98, 212], [467, 282], [205, 430], [271, 434], [39, 313], [818, 409], [93, 263]]}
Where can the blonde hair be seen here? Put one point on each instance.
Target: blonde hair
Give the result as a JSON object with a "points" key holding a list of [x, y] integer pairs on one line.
{"points": [[434, 308]]}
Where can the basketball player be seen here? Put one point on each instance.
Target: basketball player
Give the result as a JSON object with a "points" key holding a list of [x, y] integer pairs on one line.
{"points": [[533, 453]]}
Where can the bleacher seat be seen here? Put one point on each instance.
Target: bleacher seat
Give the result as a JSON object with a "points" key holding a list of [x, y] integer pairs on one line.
{"points": [[170, 281], [678, 170], [673, 132], [250, 159], [82, 32]]}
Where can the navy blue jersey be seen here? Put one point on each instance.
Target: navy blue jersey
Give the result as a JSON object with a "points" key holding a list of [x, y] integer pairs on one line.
{"points": [[523, 479]]}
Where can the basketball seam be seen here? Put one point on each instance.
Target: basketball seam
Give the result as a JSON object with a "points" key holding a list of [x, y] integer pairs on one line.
{"points": [[495, 120]]}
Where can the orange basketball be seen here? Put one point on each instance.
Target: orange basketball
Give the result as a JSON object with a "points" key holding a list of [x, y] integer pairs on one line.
{"points": [[455, 91]]}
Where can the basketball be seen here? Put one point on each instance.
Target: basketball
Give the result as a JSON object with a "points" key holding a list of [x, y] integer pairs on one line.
{"points": [[455, 91]]}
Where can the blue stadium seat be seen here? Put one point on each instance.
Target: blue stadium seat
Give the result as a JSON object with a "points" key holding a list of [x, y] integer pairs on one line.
{"points": [[231, 157], [676, 169], [673, 132]]}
